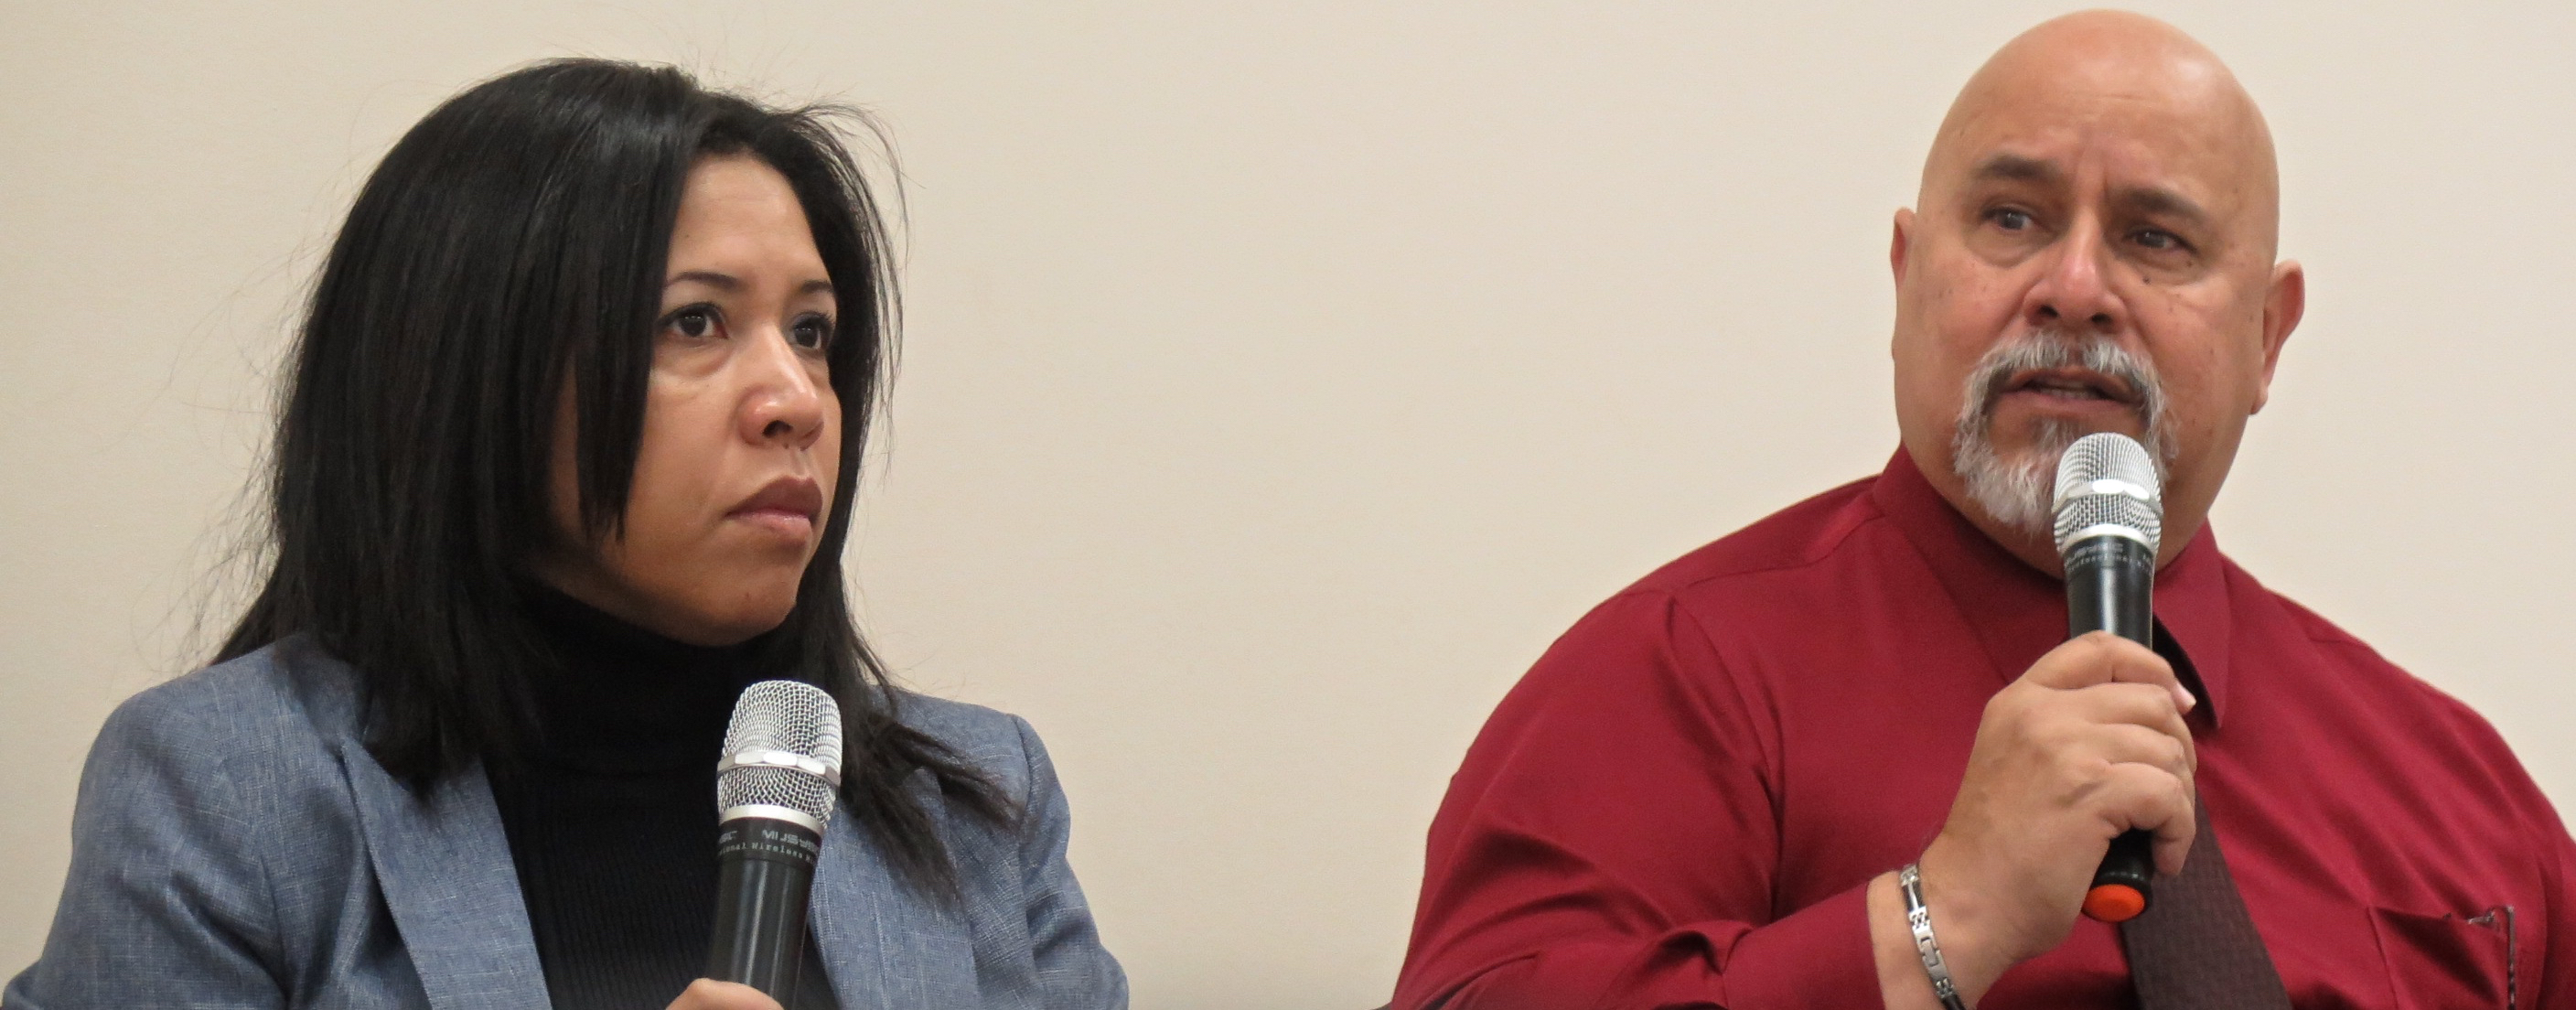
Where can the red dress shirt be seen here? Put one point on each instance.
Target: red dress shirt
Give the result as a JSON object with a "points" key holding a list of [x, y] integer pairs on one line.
{"points": [[1682, 804]]}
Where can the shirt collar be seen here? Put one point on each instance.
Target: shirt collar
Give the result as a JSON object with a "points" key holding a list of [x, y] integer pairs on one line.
{"points": [[2018, 612]]}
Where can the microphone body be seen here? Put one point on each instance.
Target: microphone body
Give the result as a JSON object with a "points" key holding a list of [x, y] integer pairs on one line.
{"points": [[2110, 518], [776, 786], [2110, 586], [765, 872]]}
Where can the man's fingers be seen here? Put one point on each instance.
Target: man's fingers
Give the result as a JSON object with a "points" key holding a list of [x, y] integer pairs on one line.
{"points": [[2139, 745], [2146, 798], [2100, 657], [2140, 705]]}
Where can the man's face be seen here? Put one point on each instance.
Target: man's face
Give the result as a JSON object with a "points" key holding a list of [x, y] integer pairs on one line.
{"points": [[2099, 237]]}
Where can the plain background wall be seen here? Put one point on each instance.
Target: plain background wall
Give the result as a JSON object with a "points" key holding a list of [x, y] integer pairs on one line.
{"points": [[1282, 377]]}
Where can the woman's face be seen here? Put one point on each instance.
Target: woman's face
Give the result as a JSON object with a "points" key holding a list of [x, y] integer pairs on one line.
{"points": [[742, 433]]}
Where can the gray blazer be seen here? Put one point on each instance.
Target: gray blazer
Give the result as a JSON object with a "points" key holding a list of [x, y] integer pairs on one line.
{"points": [[235, 845]]}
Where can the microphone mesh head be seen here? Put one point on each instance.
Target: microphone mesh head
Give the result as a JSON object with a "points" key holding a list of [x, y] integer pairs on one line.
{"points": [[2107, 479], [782, 715]]}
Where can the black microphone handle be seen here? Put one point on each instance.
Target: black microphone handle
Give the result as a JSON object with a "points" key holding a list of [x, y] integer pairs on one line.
{"points": [[765, 871], [2110, 586]]}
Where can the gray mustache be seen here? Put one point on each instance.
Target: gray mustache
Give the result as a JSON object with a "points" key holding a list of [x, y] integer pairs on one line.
{"points": [[2043, 350]]}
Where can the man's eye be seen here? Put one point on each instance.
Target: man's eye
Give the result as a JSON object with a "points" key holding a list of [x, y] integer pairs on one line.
{"points": [[811, 333], [2156, 239], [697, 322], [2009, 219]]}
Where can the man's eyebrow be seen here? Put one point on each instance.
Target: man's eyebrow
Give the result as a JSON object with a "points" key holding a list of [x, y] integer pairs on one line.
{"points": [[2149, 201], [2016, 168], [2145, 200]]}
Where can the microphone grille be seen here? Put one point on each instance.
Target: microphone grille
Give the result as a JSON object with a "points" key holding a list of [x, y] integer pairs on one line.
{"points": [[783, 716], [2107, 479]]}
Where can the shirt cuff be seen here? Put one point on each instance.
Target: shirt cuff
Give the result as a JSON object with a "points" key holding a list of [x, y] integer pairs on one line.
{"points": [[1818, 956]]}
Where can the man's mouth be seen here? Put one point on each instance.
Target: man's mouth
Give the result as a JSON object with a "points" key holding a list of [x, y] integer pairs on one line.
{"points": [[2071, 384]]}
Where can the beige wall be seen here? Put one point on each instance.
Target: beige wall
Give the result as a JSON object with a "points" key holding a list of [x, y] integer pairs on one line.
{"points": [[1283, 377]]}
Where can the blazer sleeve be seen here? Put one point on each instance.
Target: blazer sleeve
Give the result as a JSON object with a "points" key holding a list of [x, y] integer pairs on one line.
{"points": [[167, 903], [1074, 971]]}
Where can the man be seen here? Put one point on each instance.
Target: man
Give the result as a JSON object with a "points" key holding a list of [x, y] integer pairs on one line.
{"points": [[1701, 795]]}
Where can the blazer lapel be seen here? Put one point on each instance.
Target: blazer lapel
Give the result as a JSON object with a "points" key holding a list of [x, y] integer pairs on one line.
{"points": [[884, 946], [444, 866]]}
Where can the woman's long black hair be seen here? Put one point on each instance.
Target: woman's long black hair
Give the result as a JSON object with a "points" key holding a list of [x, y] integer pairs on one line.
{"points": [[511, 246]]}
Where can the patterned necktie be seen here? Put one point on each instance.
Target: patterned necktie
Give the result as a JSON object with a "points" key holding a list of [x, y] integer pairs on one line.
{"points": [[2195, 948]]}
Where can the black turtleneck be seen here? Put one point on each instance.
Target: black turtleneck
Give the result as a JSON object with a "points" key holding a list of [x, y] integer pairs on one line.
{"points": [[612, 817]]}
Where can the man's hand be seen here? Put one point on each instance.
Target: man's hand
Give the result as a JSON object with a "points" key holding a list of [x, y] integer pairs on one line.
{"points": [[2089, 743], [709, 994]]}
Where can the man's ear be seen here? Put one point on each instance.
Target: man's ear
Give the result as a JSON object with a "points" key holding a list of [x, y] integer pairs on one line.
{"points": [[2283, 303], [1899, 243]]}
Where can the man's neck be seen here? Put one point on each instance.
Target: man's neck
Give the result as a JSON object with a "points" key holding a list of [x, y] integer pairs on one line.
{"points": [[2038, 548]]}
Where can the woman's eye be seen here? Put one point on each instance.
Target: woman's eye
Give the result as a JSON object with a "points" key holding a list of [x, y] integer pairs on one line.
{"points": [[696, 322], [811, 333]]}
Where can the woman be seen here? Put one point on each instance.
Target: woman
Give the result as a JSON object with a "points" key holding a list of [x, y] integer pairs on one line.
{"points": [[566, 460]]}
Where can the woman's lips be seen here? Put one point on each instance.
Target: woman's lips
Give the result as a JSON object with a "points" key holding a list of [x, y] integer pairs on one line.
{"points": [[786, 506], [783, 522]]}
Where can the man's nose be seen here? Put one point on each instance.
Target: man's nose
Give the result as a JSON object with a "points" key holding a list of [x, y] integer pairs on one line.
{"points": [[2075, 293], [783, 404]]}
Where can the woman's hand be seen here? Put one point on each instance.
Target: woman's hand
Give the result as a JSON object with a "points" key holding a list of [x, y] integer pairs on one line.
{"points": [[709, 994]]}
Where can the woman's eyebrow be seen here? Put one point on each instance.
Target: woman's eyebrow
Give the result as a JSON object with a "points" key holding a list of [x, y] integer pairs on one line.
{"points": [[710, 278], [728, 282]]}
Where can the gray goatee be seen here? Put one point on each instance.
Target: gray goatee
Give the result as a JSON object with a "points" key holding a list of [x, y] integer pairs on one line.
{"points": [[2016, 492]]}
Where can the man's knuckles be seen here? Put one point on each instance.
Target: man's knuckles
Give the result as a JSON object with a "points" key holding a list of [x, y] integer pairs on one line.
{"points": [[2130, 701], [2145, 798], [2107, 771], [2098, 657], [2070, 718]]}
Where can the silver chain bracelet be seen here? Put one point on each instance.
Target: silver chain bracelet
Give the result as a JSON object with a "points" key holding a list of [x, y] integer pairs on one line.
{"points": [[1919, 918]]}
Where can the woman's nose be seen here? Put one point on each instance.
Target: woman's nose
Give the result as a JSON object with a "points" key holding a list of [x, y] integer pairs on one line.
{"points": [[784, 401]]}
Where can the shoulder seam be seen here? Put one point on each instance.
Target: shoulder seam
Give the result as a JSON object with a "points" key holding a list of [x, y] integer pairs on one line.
{"points": [[1821, 555]]}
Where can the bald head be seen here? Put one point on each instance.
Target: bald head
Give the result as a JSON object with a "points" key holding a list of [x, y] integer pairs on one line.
{"points": [[2095, 70], [2092, 250]]}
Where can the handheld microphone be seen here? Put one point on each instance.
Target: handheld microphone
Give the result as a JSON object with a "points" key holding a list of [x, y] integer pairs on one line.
{"points": [[2110, 519], [776, 785]]}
